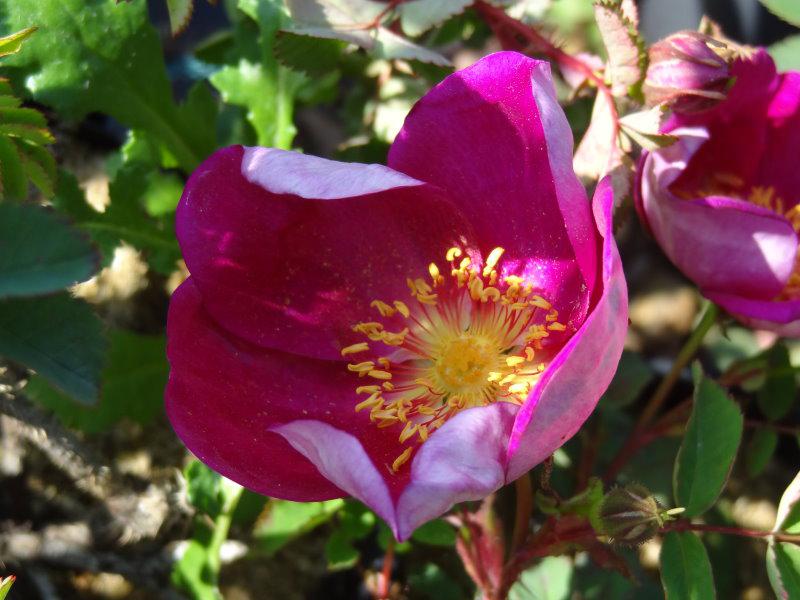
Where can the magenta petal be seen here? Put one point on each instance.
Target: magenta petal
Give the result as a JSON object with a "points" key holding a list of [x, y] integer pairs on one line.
{"points": [[719, 243], [494, 136], [574, 381], [341, 458], [464, 460], [289, 250], [779, 164], [778, 314], [226, 395]]}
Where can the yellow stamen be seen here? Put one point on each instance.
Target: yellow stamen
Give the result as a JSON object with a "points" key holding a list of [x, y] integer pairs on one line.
{"points": [[402, 459], [402, 308], [383, 308], [380, 374], [374, 400], [368, 389], [513, 361], [557, 327], [355, 348], [491, 260], [452, 254], [361, 367]]}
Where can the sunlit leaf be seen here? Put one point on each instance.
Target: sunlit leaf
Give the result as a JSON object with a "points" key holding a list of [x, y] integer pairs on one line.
{"points": [[627, 56], [788, 10], [709, 447]]}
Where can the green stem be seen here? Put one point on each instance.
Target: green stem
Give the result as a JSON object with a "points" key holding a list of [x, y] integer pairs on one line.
{"points": [[686, 354], [640, 436], [222, 525], [779, 536]]}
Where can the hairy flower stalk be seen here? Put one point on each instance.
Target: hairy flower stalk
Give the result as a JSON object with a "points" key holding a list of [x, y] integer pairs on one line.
{"points": [[413, 335]]}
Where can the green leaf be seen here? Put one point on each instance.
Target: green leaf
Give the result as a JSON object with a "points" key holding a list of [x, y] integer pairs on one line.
{"points": [[104, 56], [314, 56], [11, 44], [417, 16], [208, 491], [264, 87], [787, 53], [644, 127], [550, 579], [783, 569], [434, 584], [191, 573], [436, 533], [685, 568], [58, 337], [708, 449], [5, 585], [23, 132], [40, 252], [125, 219], [788, 10], [347, 20], [340, 552], [133, 382], [632, 377], [180, 12], [289, 520], [788, 517], [779, 391], [759, 451], [627, 54]]}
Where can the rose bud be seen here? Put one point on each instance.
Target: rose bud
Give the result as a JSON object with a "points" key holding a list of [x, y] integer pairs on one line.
{"points": [[689, 71]]}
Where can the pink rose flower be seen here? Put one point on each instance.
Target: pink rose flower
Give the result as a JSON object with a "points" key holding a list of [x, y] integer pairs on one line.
{"points": [[723, 201], [413, 335]]}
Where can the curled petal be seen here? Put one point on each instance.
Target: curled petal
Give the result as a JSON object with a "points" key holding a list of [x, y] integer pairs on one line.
{"points": [[576, 378], [494, 136], [289, 250], [722, 244]]}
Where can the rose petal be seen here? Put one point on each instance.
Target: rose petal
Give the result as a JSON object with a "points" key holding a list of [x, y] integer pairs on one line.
{"points": [[464, 460], [778, 167], [495, 138], [289, 250], [776, 313], [226, 395], [574, 381], [719, 243]]}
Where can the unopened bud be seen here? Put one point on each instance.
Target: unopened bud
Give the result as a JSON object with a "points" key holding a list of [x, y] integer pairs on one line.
{"points": [[630, 515], [689, 71]]}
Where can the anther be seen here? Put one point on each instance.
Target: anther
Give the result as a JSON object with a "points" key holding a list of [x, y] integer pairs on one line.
{"points": [[452, 254], [402, 459], [355, 348]]}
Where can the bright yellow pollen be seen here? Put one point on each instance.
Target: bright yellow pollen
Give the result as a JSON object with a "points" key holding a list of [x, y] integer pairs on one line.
{"points": [[469, 343]]}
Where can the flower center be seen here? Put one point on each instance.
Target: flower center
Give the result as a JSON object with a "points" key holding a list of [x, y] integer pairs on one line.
{"points": [[467, 340], [464, 364]]}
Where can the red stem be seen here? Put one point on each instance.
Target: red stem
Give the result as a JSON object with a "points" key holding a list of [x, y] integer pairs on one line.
{"points": [[524, 500], [785, 429], [751, 533], [388, 561]]}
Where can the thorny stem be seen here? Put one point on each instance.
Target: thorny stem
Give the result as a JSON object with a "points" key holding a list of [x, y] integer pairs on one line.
{"points": [[388, 562], [751, 533], [661, 394], [524, 499], [497, 17]]}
